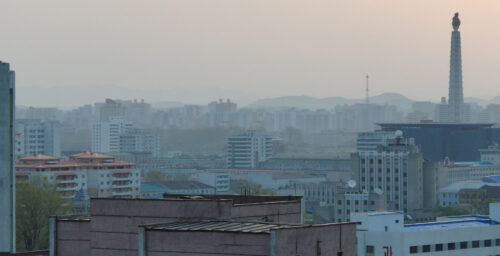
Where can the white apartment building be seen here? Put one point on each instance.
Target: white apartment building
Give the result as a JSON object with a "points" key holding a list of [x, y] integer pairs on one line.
{"points": [[98, 174], [395, 170], [119, 136], [248, 150], [106, 135], [137, 140], [32, 136], [385, 234]]}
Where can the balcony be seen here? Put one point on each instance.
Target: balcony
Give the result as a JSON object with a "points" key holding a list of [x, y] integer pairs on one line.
{"points": [[126, 184]]}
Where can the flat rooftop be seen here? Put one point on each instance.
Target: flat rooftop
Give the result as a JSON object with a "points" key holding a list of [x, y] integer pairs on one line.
{"points": [[237, 199], [450, 225], [221, 226], [457, 126], [232, 226]]}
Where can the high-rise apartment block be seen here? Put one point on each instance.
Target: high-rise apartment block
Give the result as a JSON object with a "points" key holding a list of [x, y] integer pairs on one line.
{"points": [[393, 169], [36, 137], [7, 182], [119, 136], [248, 150], [137, 140], [106, 135]]}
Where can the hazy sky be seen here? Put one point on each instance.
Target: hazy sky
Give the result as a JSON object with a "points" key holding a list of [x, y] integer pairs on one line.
{"points": [[250, 49]]}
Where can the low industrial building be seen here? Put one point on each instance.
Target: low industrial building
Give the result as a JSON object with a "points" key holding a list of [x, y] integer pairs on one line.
{"points": [[468, 192], [384, 233], [247, 238], [113, 223]]}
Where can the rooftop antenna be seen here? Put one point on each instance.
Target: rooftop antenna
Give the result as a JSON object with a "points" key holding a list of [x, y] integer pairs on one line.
{"points": [[367, 97]]}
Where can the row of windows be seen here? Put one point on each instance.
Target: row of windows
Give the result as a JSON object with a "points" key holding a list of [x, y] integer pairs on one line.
{"points": [[453, 246]]}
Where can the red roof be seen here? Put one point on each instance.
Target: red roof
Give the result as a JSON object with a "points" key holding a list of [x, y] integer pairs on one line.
{"points": [[39, 157], [89, 154]]}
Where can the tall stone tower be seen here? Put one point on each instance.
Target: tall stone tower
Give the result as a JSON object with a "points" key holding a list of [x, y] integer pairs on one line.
{"points": [[456, 96], [7, 177]]}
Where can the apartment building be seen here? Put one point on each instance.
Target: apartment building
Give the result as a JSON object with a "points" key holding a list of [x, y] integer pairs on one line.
{"points": [[248, 150], [394, 169], [98, 174], [34, 136]]}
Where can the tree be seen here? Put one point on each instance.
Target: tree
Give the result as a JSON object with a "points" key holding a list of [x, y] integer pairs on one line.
{"points": [[451, 211], [36, 201], [249, 188], [154, 176]]}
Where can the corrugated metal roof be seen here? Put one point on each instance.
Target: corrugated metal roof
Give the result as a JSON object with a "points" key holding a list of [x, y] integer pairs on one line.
{"points": [[222, 226]]}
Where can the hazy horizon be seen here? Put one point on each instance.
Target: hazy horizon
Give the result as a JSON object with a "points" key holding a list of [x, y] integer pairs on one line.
{"points": [[247, 50]]}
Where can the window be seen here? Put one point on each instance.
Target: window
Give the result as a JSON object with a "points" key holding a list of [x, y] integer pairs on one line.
{"points": [[497, 242], [439, 247], [451, 246], [370, 249], [426, 248], [475, 244], [463, 245], [487, 243], [413, 249]]}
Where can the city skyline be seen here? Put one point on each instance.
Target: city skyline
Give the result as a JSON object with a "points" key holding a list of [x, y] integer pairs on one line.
{"points": [[250, 51]]}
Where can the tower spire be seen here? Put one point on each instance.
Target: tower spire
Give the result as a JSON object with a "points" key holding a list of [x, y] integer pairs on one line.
{"points": [[456, 98]]}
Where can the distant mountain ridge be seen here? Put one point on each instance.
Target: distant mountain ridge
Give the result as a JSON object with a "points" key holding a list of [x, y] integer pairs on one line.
{"points": [[308, 102]]}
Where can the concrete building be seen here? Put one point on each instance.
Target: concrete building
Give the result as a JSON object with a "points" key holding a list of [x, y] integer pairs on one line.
{"points": [[394, 169], [334, 201], [221, 113], [451, 172], [34, 136], [315, 164], [113, 225], [186, 187], [456, 141], [119, 136], [465, 193], [98, 174], [248, 150], [106, 135], [7, 178], [43, 114], [384, 233], [490, 154], [220, 180], [139, 141], [247, 238]]}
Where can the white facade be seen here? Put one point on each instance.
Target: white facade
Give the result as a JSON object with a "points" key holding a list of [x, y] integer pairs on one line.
{"points": [[137, 140], [394, 169], [219, 180], [106, 135], [457, 172], [384, 234], [98, 174], [248, 150], [36, 137]]}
